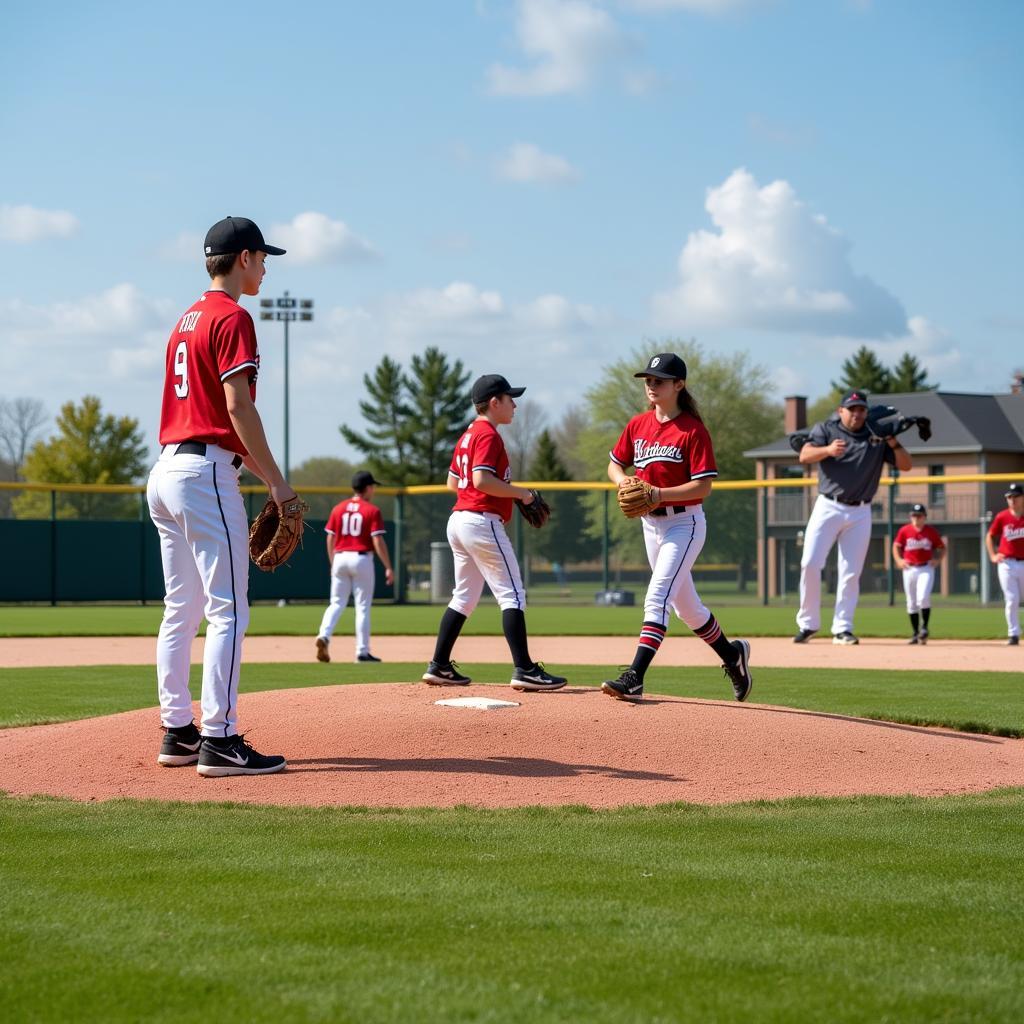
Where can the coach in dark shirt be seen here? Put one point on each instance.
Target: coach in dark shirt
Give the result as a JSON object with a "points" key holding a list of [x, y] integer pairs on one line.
{"points": [[850, 457]]}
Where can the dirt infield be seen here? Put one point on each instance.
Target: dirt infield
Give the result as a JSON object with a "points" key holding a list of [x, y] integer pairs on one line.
{"points": [[390, 745], [781, 652]]}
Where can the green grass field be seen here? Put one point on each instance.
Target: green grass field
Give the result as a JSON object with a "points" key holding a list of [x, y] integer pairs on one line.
{"points": [[952, 621], [866, 909]]}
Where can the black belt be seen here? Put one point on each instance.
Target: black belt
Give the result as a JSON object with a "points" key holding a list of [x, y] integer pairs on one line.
{"points": [[843, 501], [664, 510], [199, 448]]}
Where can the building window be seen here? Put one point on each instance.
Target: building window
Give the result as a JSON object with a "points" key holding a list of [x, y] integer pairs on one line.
{"points": [[936, 491]]}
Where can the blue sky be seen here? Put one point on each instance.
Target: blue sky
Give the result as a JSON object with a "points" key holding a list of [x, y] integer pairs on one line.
{"points": [[536, 186]]}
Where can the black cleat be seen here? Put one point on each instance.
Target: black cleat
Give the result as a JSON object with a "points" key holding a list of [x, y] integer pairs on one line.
{"points": [[803, 635], [536, 678], [1013, 641], [321, 649], [180, 746], [915, 639], [367, 657], [629, 686], [739, 673], [845, 639], [445, 675], [233, 756]]}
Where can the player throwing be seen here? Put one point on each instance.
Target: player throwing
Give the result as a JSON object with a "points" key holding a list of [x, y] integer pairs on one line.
{"points": [[355, 530], [480, 476], [670, 448], [917, 549], [209, 428], [1005, 544]]}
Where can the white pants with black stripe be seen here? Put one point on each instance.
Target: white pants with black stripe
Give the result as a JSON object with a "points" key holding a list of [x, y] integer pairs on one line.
{"points": [[351, 573], [832, 522], [1011, 579], [198, 511], [918, 581], [673, 543], [483, 554]]}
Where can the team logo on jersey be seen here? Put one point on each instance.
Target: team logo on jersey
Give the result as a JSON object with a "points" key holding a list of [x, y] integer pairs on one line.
{"points": [[646, 452], [918, 544], [1014, 533]]}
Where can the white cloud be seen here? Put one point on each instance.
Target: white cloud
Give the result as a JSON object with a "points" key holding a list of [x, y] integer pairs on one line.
{"points": [[772, 264], [118, 312], [525, 162], [570, 43], [186, 248], [710, 7], [30, 224], [314, 238]]}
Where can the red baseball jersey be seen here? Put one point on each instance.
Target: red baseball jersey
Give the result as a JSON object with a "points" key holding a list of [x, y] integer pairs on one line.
{"points": [[1008, 530], [666, 454], [214, 340], [480, 447], [918, 546], [354, 523]]}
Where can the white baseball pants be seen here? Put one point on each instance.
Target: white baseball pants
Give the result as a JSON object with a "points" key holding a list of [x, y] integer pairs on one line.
{"points": [[918, 581], [198, 511], [673, 544], [351, 573], [1011, 579], [483, 553], [850, 526]]}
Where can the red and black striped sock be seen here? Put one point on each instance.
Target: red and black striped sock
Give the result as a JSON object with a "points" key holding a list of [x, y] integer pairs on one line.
{"points": [[711, 633], [652, 634]]}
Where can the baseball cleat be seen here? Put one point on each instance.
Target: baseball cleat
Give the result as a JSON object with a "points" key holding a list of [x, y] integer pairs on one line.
{"points": [[1013, 641], [233, 756], [915, 639], [536, 678], [445, 675], [321, 649], [180, 746], [739, 671], [846, 639], [803, 635], [367, 657], [629, 686]]}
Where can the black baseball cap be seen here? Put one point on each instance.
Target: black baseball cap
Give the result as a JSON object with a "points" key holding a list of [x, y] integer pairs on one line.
{"points": [[856, 396], [234, 234], [666, 365], [363, 479], [493, 385], [1014, 490], [918, 510]]}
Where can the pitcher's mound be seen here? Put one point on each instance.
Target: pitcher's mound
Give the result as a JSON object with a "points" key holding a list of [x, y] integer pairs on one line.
{"points": [[393, 746]]}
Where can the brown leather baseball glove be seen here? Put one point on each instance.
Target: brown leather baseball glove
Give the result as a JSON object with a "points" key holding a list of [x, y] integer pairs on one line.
{"points": [[636, 497], [537, 512], [276, 533]]}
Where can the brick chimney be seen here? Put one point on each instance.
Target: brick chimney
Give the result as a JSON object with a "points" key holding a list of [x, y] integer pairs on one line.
{"points": [[795, 417]]}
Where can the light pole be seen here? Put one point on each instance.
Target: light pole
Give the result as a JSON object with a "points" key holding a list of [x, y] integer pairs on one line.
{"points": [[287, 310]]}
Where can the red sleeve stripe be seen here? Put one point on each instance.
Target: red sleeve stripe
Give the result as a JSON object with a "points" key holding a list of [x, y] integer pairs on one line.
{"points": [[234, 369]]}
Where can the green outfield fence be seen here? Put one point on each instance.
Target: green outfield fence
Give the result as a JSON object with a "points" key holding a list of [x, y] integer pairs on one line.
{"points": [[81, 543]]}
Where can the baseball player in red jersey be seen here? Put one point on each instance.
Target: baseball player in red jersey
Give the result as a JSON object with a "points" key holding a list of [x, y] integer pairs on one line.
{"points": [[355, 530], [209, 428], [917, 549], [1005, 543], [670, 448], [480, 477]]}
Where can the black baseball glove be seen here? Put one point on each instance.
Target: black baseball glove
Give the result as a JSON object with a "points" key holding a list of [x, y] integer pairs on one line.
{"points": [[798, 440], [537, 512]]}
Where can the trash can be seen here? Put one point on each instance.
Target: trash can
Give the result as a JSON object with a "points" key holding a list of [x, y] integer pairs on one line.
{"points": [[442, 572]]}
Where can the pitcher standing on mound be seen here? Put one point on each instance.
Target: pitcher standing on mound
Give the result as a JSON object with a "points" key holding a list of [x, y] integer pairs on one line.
{"points": [[670, 448], [209, 428]]}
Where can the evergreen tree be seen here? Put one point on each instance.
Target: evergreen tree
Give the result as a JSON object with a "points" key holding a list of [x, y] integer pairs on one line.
{"points": [[909, 375], [385, 443], [863, 370], [561, 540], [88, 448]]}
